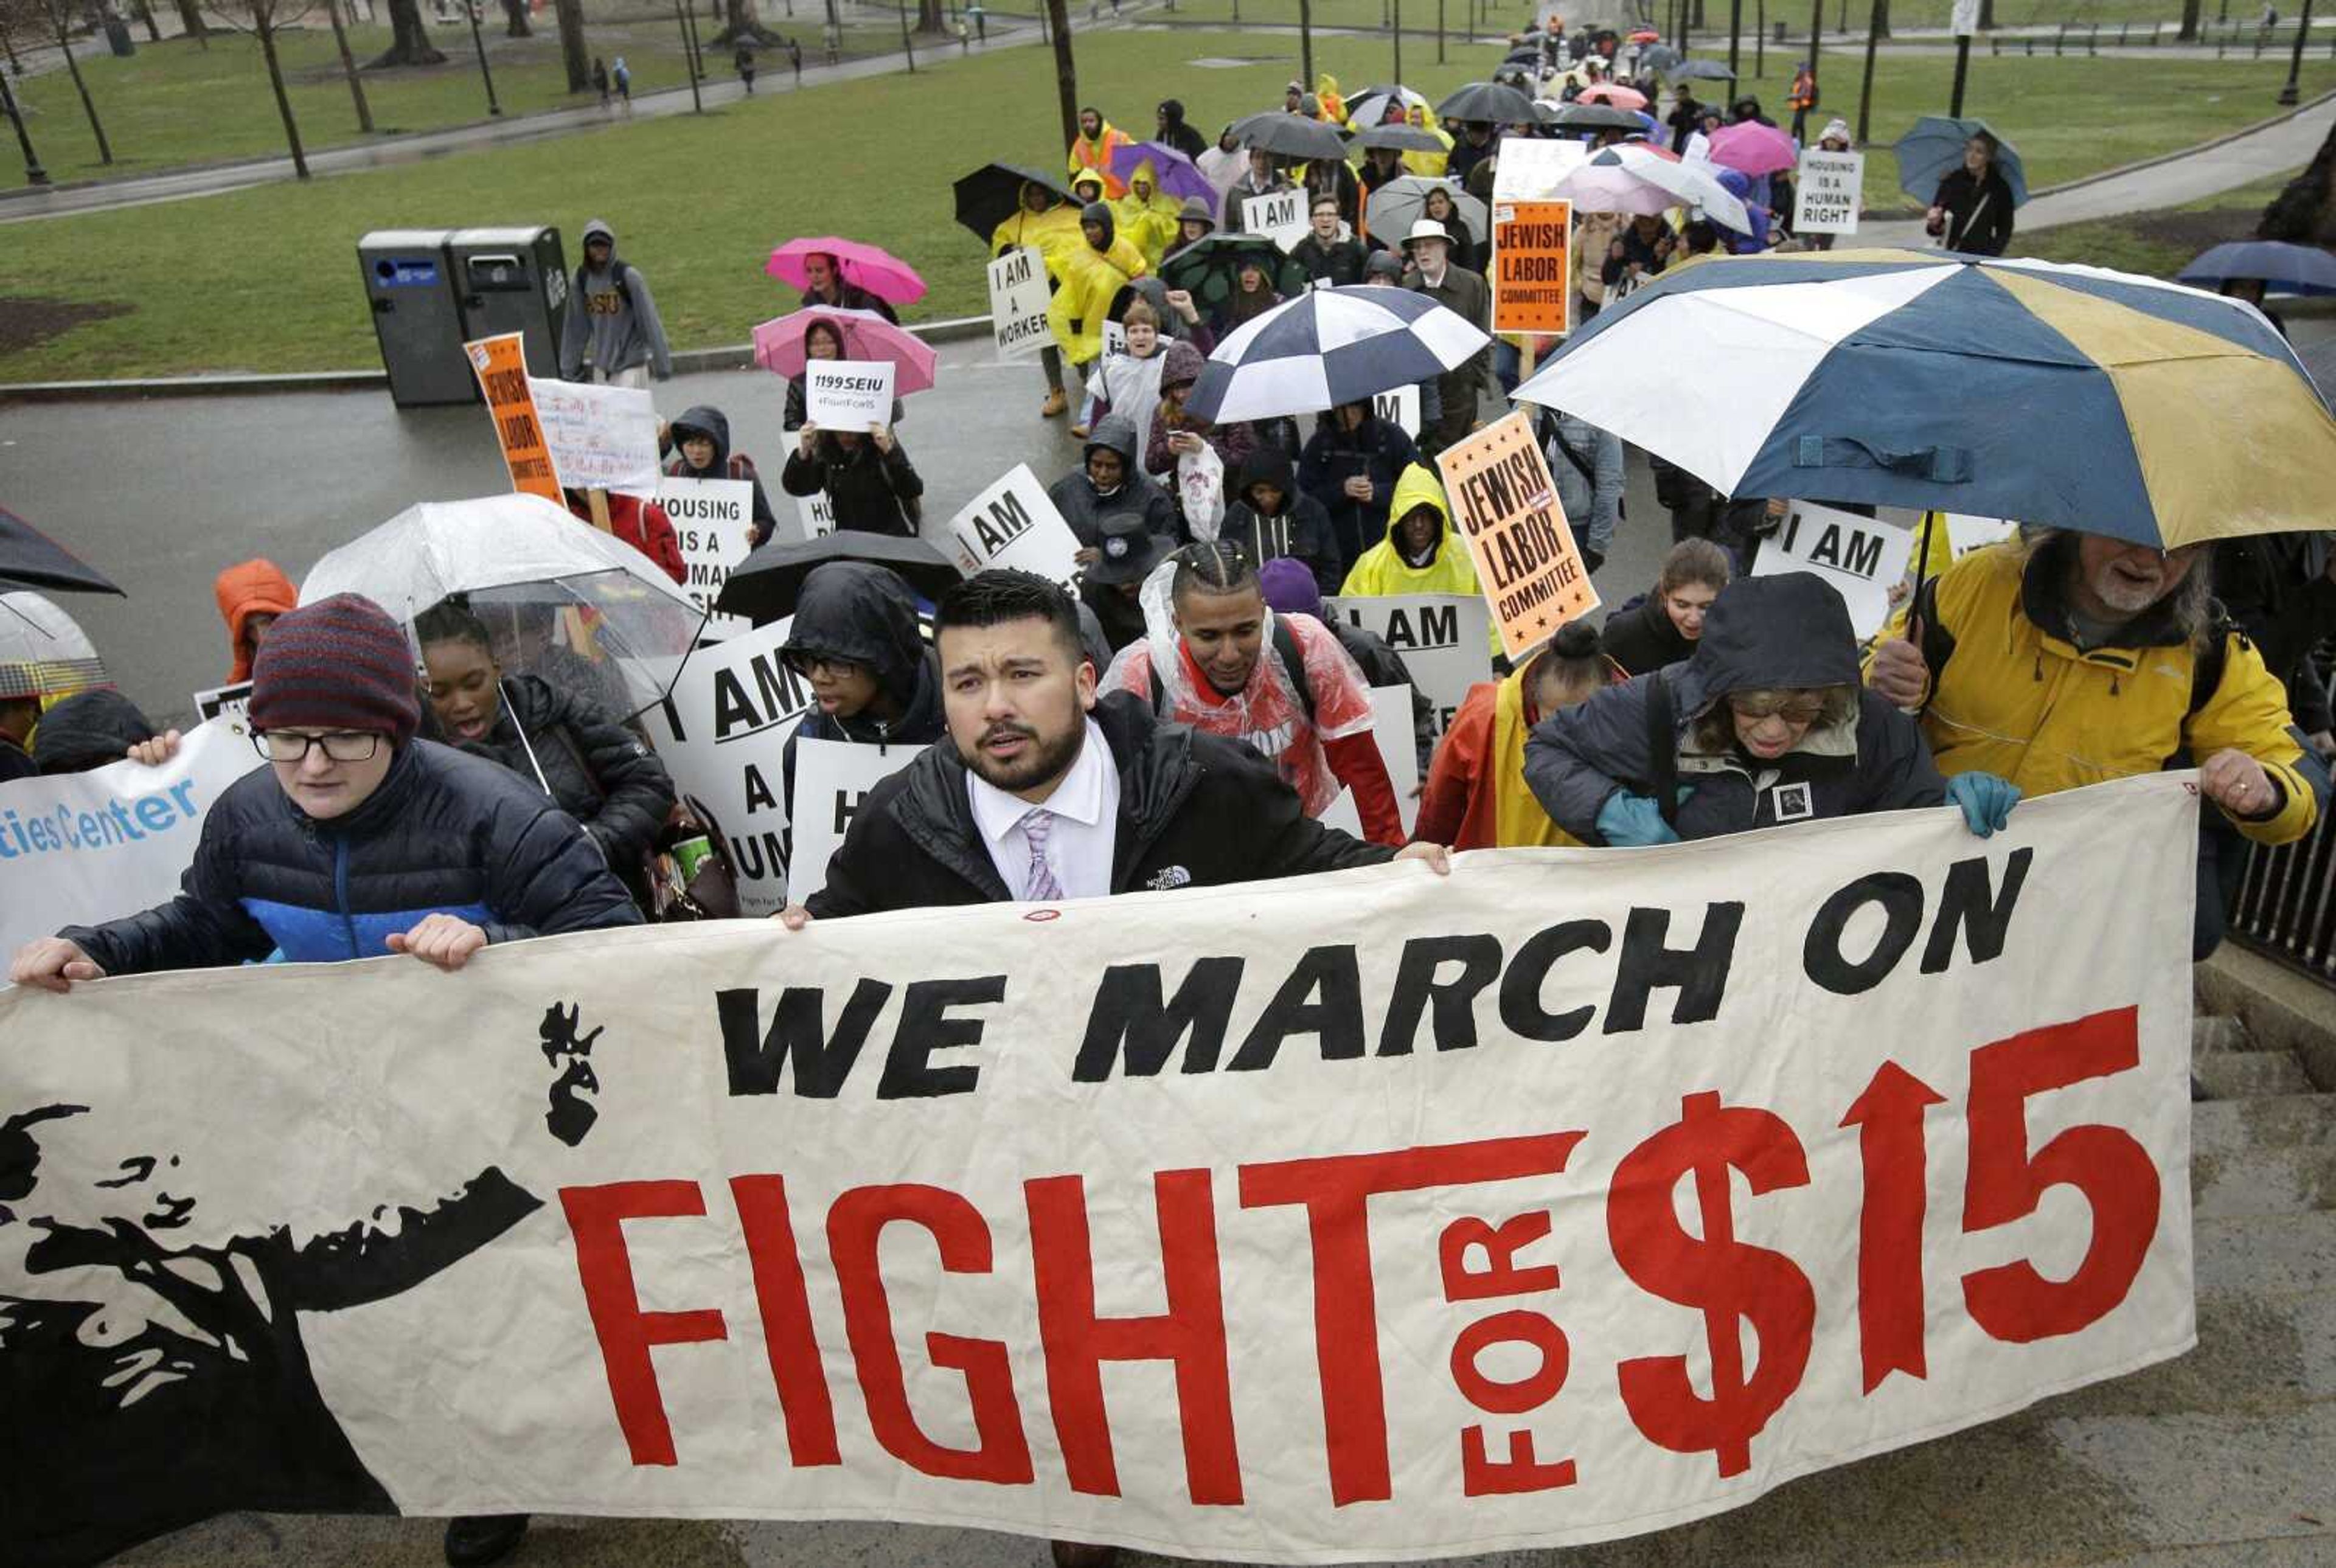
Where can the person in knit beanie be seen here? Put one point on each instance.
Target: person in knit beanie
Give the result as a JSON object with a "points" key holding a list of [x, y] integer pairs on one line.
{"points": [[357, 839]]}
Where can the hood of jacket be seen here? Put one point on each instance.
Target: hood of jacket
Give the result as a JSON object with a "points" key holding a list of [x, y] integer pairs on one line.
{"points": [[1180, 365], [257, 587], [1117, 432], [88, 730], [1267, 464], [1100, 212], [1790, 631], [600, 227], [712, 424], [1415, 487], [864, 614], [1154, 293]]}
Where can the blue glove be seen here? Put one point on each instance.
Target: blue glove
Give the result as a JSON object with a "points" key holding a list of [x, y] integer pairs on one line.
{"points": [[1629, 820], [1987, 800]]}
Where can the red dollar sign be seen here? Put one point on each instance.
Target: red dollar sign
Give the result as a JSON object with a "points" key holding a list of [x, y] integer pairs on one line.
{"points": [[1726, 1279]]}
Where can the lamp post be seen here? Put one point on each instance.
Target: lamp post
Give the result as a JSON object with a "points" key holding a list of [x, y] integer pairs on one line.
{"points": [[2287, 95], [480, 43]]}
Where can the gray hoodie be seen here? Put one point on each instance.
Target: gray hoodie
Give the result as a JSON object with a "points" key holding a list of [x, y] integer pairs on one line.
{"points": [[612, 322]]}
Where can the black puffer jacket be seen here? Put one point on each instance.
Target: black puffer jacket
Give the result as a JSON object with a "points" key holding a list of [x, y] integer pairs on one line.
{"points": [[596, 770], [865, 615], [873, 491], [443, 833], [1644, 638], [1194, 811]]}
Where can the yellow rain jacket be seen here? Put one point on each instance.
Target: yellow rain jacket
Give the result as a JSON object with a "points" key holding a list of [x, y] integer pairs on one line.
{"points": [[1092, 279], [2013, 698], [1149, 225], [1333, 101], [1430, 164], [1383, 570], [1053, 234]]}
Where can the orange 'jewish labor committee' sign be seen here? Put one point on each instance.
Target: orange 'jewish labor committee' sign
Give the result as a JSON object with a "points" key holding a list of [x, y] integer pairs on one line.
{"points": [[501, 367], [1507, 507]]}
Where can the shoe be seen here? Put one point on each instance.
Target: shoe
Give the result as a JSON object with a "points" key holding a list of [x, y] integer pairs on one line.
{"points": [[1071, 1555], [482, 1538], [1055, 403], [1079, 431], [1592, 561]]}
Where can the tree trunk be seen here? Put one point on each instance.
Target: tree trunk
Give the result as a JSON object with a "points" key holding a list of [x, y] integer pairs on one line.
{"points": [[146, 14], [2300, 213], [64, 47], [409, 40], [283, 102], [2190, 9], [1987, 15], [742, 23], [349, 67], [572, 51], [515, 19], [191, 17], [1067, 70], [1880, 22], [931, 17]]}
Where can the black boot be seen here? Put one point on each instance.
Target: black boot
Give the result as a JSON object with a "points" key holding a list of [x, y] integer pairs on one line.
{"points": [[482, 1538]]}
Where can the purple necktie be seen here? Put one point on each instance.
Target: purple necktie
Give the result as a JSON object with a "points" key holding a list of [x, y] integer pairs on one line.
{"points": [[1038, 883]]}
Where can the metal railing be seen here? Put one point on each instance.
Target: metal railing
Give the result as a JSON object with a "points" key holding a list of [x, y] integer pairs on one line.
{"points": [[2287, 904]]}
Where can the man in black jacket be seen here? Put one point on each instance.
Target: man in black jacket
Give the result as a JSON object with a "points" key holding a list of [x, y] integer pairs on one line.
{"points": [[1067, 797]]}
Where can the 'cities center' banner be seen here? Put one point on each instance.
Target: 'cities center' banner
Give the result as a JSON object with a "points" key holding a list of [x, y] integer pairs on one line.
{"points": [[1370, 1215]]}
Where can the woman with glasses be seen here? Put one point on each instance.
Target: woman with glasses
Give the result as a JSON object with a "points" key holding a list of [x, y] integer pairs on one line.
{"points": [[1765, 723]]}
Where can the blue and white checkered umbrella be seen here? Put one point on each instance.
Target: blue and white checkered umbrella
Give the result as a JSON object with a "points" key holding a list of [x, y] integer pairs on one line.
{"points": [[1329, 347]]}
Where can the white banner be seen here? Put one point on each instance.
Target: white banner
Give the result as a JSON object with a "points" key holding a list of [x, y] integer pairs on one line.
{"points": [[721, 734], [1399, 406], [1531, 168], [1017, 303], [833, 778], [1391, 732], [1826, 196], [1013, 523], [1445, 639], [1364, 1216], [76, 848], [1863, 557], [714, 521], [599, 437], [1280, 216], [848, 394], [1966, 532]]}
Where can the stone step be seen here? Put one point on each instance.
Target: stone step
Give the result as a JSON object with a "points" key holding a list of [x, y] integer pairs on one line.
{"points": [[2213, 1032], [2230, 1129], [2248, 1074], [2289, 1179], [2264, 1255]]}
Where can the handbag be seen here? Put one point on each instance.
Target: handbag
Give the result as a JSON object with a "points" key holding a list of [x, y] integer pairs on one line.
{"points": [[1200, 488]]}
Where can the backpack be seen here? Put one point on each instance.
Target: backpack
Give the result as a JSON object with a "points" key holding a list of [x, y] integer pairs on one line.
{"points": [[618, 272], [1285, 643]]}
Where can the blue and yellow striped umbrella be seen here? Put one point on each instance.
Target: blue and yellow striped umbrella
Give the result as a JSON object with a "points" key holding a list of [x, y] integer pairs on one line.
{"points": [[2066, 396]]}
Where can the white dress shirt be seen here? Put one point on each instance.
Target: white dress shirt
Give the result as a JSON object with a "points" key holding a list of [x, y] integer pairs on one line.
{"points": [[1085, 805]]}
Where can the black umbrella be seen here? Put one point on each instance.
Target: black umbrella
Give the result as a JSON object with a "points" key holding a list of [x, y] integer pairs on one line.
{"points": [[1489, 103], [1277, 130], [766, 584], [991, 195], [30, 559], [1701, 70], [1409, 137], [1591, 117]]}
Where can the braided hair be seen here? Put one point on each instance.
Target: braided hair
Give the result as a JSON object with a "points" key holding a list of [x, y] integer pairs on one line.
{"points": [[1214, 567]]}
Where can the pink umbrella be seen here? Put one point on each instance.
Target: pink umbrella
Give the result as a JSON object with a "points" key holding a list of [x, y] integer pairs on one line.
{"points": [[872, 266], [1754, 148], [1611, 93], [778, 345]]}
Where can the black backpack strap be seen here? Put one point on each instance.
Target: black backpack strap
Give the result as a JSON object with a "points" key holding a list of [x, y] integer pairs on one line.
{"points": [[1293, 659], [1662, 747], [1938, 645], [2207, 665]]}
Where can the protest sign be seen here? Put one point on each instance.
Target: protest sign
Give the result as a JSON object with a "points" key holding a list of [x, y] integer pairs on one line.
{"points": [[1966, 533], [714, 522], [1115, 339], [1443, 638], [223, 701], [848, 394], [1863, 557], [1280, 216], [1017, 303], [1828, 189], [1365, 1217], [1391, 732], [76, 848], [1013, 523], [1531, 170], [600, 437], [833, 778], [1527, 567], [722, 732], [1532, 269], [815, 514], [501, 364], [1400, 405]]}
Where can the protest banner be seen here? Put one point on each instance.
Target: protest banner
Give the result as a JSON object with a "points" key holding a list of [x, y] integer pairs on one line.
{"points": [[224, 701], [1531, 168], [721, 732], [600, 437], [848, 394], [1400, 405], [1828, 188], [815, 514], [1013, 523], [1280, 216], [1533, 267], [1966, 532], [1445, 639], [1391, 732], [1363, 1216], [501, 364], [1017, 303], [714, 522], [833, 778], [79, 848], [1863, 557], [1527, 567]]}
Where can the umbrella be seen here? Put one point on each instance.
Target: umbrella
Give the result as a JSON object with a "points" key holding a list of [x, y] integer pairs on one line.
{"points": [[1751, 148], [1289, 135], [1205, 268], [2281, 267], [2070, 397], [1644, 36], [43, 652], [1659, 57], [1489, 103], [1179, 177], [1370, 106], [1329, 347], [1700, 70], [778, 345], [1530, 55], [1635, 179], [765, 585], [872, 266], [1935, 146], [1610, 94], [1409, 137], [1578, 116], [520, 559], [1395, 206], [993, 193], [32, 559]]}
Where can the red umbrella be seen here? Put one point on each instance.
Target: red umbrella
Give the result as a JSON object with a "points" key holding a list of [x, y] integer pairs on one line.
{"points": [[1751, 148], [872, 266], [1610, 94]]}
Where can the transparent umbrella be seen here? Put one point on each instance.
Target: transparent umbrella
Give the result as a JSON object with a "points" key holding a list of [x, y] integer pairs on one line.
{"points": [[579, 608], [44, 652]]}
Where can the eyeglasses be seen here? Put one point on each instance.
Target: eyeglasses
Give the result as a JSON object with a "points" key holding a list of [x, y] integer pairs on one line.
{"points": [[340, 745], [1797, 710], [808, 664]]}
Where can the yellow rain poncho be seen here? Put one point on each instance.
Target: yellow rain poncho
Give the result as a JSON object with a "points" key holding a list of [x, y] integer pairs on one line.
{"points": [[1053, 234], [1092, 279], [1382, 569], [1430, 164], [1147, 215], [1333, 101]]}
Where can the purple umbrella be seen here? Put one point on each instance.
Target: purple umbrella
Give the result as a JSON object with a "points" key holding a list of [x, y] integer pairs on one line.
{"points": [[1178, 177], [1754, 148]]}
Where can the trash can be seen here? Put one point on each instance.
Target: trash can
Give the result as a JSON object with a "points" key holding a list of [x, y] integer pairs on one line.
{"points": [[415, 316], [1780, 33], [117, 38], [512, 280]]}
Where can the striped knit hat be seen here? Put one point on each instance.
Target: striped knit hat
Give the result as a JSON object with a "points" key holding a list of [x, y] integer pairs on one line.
{"points": [[338, 663]]}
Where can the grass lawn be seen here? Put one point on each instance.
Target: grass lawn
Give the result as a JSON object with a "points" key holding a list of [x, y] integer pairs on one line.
{"points": [[2158, 244], [265, 280]]}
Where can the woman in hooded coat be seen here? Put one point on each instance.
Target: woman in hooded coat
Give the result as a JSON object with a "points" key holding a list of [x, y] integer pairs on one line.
{"points": [[1174, 433], [251, 594], [701, 450]]}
